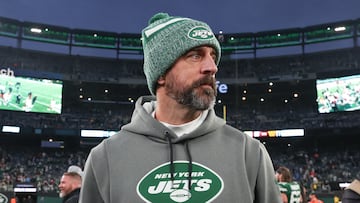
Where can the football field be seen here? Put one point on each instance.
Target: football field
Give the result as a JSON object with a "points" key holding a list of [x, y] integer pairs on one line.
{"points": [[30, 95]]}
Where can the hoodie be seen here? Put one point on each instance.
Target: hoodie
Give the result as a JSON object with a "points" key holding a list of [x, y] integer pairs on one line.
{"points": [[72, 197], [146, 162]]}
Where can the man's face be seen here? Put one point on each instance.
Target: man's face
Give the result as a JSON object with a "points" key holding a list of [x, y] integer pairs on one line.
{"points": [[65, 186], [191, 81], [278, 177]]}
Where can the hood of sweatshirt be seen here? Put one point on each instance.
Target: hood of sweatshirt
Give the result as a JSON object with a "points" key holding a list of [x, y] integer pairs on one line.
{"points": [[143, 123]]}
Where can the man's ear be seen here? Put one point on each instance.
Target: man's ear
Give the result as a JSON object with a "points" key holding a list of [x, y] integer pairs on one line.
{"points": [[161, 80]]}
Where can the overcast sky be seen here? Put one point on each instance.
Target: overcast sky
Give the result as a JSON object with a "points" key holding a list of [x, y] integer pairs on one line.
{"points": [[231, 16]]}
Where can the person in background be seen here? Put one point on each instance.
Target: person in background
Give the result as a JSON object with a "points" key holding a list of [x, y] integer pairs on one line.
{"points": [[304, 197], [176, 149], [314, 199], [70, 184], [290, 191], [352, 192]]}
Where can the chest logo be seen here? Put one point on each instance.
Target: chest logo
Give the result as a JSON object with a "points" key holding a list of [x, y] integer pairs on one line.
{"points": [[3, 198], [157, 186]]}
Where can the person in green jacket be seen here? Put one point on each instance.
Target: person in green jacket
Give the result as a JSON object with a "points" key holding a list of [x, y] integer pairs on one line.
{"points": [[290, 190]]}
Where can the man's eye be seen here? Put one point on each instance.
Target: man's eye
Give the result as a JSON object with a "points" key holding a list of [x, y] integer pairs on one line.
{"points": [[196, 56], [214, 58]]}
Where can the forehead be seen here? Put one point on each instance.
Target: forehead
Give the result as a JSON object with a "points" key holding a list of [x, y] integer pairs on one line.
{"points": [[202, 47], [65, 178]]}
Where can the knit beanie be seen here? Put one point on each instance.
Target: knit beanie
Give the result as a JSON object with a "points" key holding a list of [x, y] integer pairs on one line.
{"points": [[75, 169], [166, 38]]}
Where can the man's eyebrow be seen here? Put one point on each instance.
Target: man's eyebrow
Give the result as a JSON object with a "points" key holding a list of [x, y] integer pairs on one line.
{"points": [[195, 49], [199, 48]]}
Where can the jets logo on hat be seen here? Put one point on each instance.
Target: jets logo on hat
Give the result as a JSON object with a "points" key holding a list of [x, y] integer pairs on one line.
{"points": [[157, 186], [200, 33]]}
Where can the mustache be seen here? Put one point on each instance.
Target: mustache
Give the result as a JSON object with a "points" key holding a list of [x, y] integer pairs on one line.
{"points": [[206, 80]]}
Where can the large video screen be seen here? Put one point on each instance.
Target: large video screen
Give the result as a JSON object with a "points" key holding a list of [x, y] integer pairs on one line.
{"points": [[30, 94], [338, 94]]}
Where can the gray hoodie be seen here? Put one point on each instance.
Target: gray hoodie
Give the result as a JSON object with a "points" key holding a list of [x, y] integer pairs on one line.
{"points": [[147, 162]]}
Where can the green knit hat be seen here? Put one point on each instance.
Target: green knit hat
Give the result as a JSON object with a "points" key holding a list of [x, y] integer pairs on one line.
{"points": [[166, 38]]}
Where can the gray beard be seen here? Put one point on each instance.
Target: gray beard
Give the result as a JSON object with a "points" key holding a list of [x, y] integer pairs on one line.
{"points": [[196, 102], [191, 98], [194, 96]]}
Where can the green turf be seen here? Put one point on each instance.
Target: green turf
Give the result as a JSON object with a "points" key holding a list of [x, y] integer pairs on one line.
{"points": [[45, 91]]}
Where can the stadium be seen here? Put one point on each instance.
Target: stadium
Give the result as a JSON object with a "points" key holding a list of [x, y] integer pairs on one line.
{"points": [[57, 104]]}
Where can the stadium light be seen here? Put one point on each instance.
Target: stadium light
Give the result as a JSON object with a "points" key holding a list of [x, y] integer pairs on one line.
{"points": [[338, 29], [10, 129], [36, 30]]}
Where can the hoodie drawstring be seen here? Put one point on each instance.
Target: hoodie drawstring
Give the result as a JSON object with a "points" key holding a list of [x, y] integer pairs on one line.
{"points": [[189, 164], [172, 166]]}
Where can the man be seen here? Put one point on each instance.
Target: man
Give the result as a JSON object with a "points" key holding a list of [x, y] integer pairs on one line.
{"points": [[352, 192], [314, 199], [290, 191], [175, 149], [70, 185]]}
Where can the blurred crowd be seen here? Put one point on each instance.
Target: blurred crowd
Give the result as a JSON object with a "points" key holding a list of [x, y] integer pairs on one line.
{"points": [[316, 169], [320, 170], [119, 71], [42, 168], [93, 69]]}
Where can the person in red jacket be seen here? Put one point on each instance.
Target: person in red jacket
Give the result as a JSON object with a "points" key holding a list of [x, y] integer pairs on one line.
{"points": [[314, 198]]}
